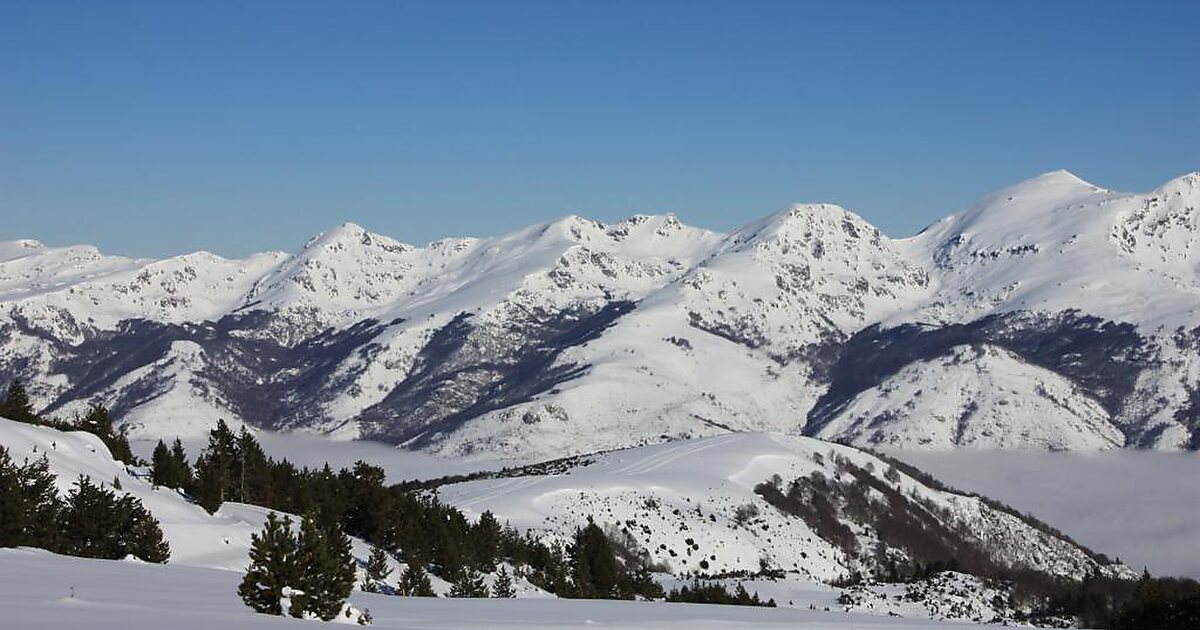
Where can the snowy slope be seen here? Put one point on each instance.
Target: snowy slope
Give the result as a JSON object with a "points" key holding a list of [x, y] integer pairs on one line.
{"points": [[681, 501], [977, 396], [197, 538], [573, 335], [135, 596]]}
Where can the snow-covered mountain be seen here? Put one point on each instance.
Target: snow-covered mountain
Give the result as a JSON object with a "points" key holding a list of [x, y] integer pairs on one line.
{"points": [[1051, 314]]}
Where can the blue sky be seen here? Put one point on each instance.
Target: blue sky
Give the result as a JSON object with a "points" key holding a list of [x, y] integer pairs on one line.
{"points": [[162, 127]]}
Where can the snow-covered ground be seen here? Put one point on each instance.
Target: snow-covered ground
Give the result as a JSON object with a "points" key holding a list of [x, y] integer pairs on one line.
{"points": [[37, 593], [1143, 506]]}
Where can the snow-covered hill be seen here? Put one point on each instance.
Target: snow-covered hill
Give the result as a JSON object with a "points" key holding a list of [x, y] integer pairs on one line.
{"points": [[698, 506], [197, 538], [1051, 314]]}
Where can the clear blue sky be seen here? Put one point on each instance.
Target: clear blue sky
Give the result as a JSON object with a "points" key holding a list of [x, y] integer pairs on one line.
{"points": [[152, 128]]}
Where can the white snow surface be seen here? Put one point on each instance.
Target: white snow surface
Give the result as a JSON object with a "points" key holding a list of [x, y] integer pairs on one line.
{"points": [[38, 587]]}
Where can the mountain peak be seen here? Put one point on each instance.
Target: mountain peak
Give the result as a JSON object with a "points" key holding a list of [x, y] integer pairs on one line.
{"points": [[804, 219], [1186, 184], [351, 235]]}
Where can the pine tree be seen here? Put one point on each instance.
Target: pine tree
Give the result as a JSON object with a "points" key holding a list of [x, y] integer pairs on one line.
{"points": [[209, 485], [594, 568], [218, 473], [14, 516], [29, 505], [272, 566], [16, 405], [377, 570], [503, 585], [325, 568], [161, 468], [469, 583], [143, 537], [252, 484], [414, 582], [181, 472], [89, 527], [98, 422], [485, 541], [97, 523]]}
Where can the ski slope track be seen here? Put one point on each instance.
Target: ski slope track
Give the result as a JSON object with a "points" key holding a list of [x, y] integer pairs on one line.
{"points": [[1052, 314]]}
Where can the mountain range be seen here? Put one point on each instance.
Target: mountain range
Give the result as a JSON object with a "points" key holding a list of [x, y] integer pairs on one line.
{"points": [[1052, 314]]}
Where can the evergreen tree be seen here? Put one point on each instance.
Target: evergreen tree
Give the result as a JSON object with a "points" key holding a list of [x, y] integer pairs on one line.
{"points": [[16, 405], [218, 473], [485, 541], [414, 582], [29, 505], [469, 583], [97, 523], [143, 537], [182, 472], [42, 504], [366, 500], [209, 485], [89, 527], [377, 570], [503, 586], [252, 482], [594, 568], [14, 516], [161, 466], [325, 569], [98, 422], [272, 566]]}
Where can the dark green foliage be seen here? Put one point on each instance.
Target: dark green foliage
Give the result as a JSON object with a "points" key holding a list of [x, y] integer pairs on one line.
{"points": [[324, 570], [596, 572], [503, 585], [16, 405], [713, 593], [98, 422], [414, 582], [216, 477], [377, 570], [29, 504], [93, 522], [485, 542], [97, 523], [183, 472], [1104, 602], [169, 467], [469, 583], [272, 566], [159, 464], [902, 522]]}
